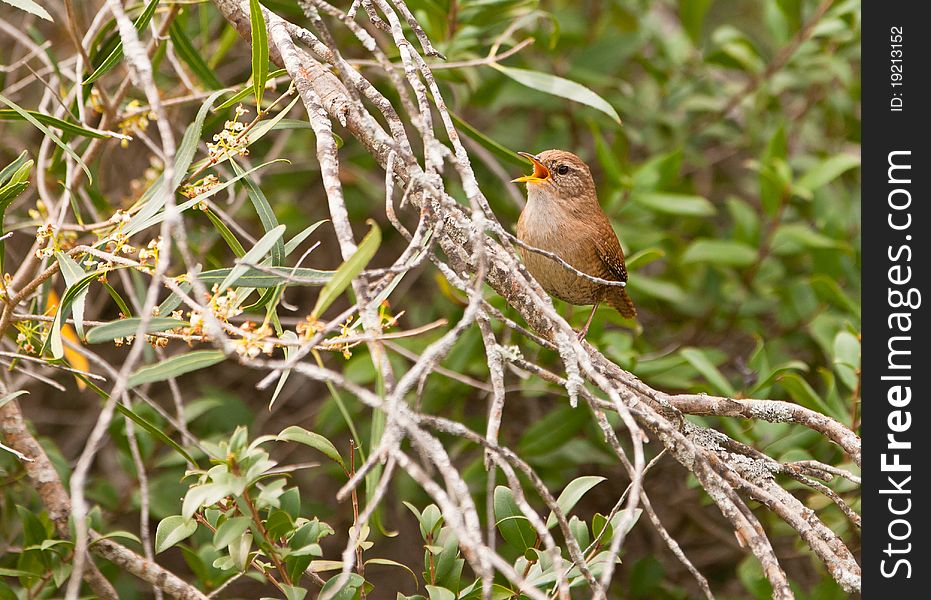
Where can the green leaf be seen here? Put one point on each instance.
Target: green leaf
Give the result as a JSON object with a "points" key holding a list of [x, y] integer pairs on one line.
{"points": [[349, 591], [117, 535], [259, 50], [692, 15], [191, 56], [7, 173], [269, 277], [571, 495], [298, 239], [515, 528], [30, 7], [285, 373], [173, 530], [154, 431], [13, 180], [264, 209], [804, 394], [53, 339], [254, 256], [827, 171], [8, 114], [793, 238], [126, 327], [230, 531], [774, 172], [152, 200], [188, 146], [496, 148], [643, 258], [391, 563], [721, 252], [150, 214], [314, 440], [348, 270], [141, 22], [847, 358], [688, 205], [12, 396], [557, 86], [698, 359], [243, 93], [176, 366], [73, 273], [228, 236], [439, 593], [48, 133], [552, 431]]}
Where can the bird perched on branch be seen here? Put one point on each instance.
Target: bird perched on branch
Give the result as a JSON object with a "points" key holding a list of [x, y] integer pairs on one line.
{"points": [[563, 218]]}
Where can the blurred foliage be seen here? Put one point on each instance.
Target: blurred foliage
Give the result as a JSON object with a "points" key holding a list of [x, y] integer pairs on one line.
{"points": [[733, 184]]}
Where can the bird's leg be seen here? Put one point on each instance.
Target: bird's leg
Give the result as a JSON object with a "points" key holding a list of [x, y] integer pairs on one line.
{"points": [[584, 331]]}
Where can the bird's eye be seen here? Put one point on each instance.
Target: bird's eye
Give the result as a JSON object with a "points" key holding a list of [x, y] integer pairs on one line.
{"points": [[562, 169]]}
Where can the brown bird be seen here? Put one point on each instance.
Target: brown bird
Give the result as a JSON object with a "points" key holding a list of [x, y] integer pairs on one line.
{"points": [[563, 217]]}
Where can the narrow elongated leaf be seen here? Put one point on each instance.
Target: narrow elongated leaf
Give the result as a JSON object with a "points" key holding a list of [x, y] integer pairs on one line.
{"points": [[13, 180], [7, 172], [30, 7], [154, 431], [558, 86], [8, 114], [698, 359], [141, 22], [348, 270], [190, 55], [269, 277], [176, 366], [259, 50], [53, 339], [188, 146], [493, 146], [149, 215], [173, 530], [73, 273], [243, 93], [827, 170], [254, 256], [264, 209], [285, 373], [127, 327], [49, 134], [720, 252], [674, 204], [12, 396], [296, 241], [228, 236]]}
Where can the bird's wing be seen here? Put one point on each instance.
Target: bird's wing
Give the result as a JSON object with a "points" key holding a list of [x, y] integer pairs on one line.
{"points": [[610, 252]]}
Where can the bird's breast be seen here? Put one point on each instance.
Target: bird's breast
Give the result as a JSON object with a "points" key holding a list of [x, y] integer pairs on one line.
{"points": [[567, 238]]}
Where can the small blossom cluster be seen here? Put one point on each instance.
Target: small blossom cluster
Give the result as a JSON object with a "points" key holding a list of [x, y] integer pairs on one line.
{"points": [[137, 122], [232, 140], [309, 327], [255, 341], [51, 241], [201, 186], [25, 344]]}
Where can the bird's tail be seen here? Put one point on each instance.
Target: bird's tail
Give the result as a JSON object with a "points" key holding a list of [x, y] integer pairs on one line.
{"points": [[618, 298]]}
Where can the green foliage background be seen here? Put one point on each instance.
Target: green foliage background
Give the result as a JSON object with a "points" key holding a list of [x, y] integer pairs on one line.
{"points": [[733, 184]]}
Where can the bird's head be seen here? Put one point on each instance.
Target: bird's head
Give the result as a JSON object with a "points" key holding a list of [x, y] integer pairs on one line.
{"points": [[558, 175]]}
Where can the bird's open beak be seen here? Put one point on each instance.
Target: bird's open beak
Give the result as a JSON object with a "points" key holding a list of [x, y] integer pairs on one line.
{"points": [[540, 172]]}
